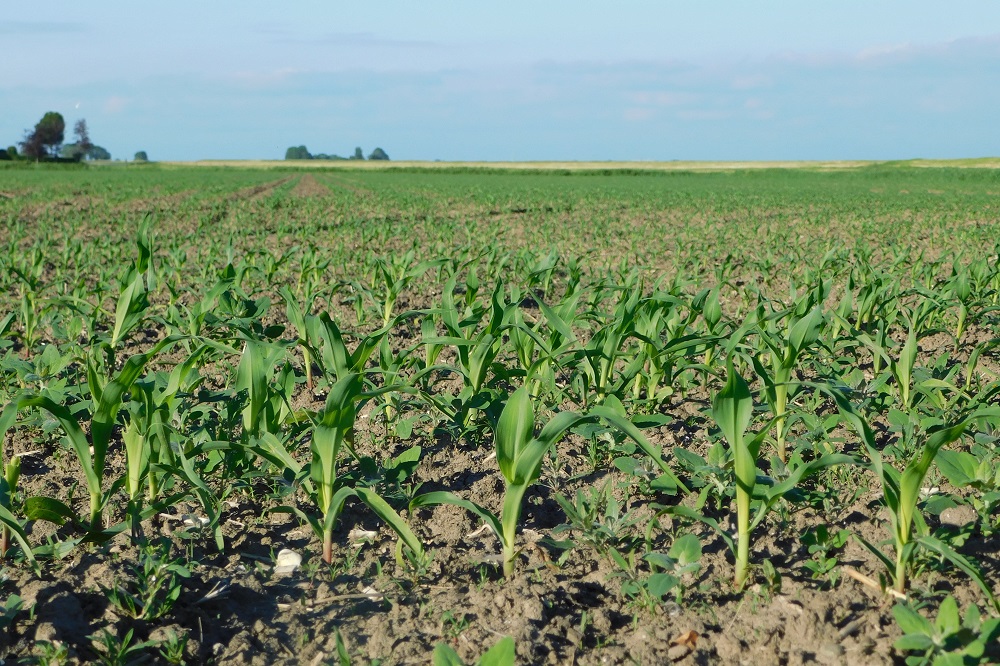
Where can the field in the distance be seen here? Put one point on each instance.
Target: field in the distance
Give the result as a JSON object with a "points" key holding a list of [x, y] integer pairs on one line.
{"points": [[203, 365]]}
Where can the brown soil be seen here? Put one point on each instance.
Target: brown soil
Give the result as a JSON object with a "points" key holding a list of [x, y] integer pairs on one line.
{"points": [[308, 186]]}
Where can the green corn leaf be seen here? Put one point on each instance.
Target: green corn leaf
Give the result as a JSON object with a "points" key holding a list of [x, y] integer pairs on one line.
{"points": [[732, 408], [616, 419], [777, 491], [251, 376], [446, 497], [392, 519], [50, 510], [270, 448], [963, 563], [805, 332], [14, 526], [501, 654], [208, 499], [75, 435], [913, 476], [307, 518], [555, 321], [444, 655], [332, 511], [514, 430], [137, 454], [132, 304]]}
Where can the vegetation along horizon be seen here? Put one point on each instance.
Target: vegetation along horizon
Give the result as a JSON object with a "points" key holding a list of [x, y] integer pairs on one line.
{"points": [[400, 415]]}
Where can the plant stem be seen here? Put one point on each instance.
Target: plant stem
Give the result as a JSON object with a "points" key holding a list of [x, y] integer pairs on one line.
{"points": [[742, 536]]}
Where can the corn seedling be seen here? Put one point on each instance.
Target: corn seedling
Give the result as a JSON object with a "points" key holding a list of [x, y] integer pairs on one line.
{"points": [[785, 348], [107, 401], [333, 430], [519, 455], [901, 494], [732, 410], [10, 526]]}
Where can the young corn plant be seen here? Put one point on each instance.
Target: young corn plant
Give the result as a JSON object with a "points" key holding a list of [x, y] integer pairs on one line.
{"points": [[785, 347], [134, 289], [477, 333], [541, 346], [149, 438], [732, 410], [333, 431], [10, 526], [604, 350], [297, 314], [519, 454], [106, 404], [901, 494], [329, 350]]}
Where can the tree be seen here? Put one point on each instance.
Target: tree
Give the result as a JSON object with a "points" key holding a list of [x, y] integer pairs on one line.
{"points": [[4, 155], [98, 153], [297, 153], [83, 142], [71, 151], [141, 156], [378, 154], [46, 138], [12, 151], [358, 155]]}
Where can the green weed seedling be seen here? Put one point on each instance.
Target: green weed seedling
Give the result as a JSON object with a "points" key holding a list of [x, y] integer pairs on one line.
{"points": [[596, 521], [668, 572], [173, 647], [154, 586], [710, 476], [950, 640], [979, 470], [46, 653], [9, 610], [822, 545], [111, 650], [501, 654]]}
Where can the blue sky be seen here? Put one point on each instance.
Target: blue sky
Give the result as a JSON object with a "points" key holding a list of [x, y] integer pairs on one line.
{"points": [[555, 80]]}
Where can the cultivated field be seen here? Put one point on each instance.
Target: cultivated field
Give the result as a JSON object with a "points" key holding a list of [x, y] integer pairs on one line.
{"points": [[691, 415]]}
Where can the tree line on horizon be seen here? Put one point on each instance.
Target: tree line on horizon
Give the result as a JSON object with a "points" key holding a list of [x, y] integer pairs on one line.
{"points": [[302, 153], [45, 143]]}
